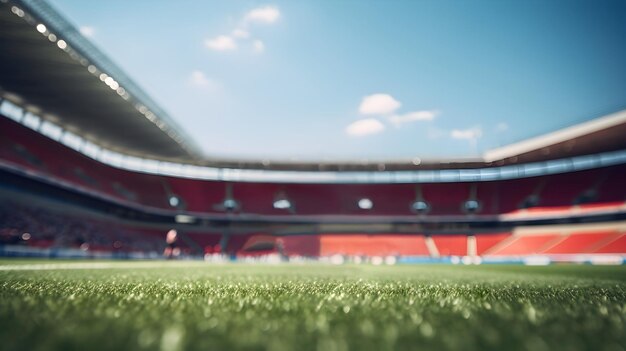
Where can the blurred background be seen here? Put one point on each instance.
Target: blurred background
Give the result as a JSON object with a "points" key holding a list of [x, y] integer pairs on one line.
{"points": [[403, 132]]}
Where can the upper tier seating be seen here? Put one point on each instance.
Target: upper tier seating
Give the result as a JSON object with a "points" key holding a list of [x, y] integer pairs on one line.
{"points": [[24, 148]]}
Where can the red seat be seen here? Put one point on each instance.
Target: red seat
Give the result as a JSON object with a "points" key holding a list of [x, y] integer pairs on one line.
{"points": [[616, 246], [526, 245], [451, 245], [372, 245], [484, 242], [579, 243]]}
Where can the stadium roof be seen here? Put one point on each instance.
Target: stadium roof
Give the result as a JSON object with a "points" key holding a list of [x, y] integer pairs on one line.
{"points": [[49, 68], [598, 135]]}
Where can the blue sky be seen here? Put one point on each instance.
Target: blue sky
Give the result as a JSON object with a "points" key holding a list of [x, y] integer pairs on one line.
{"points": [[366, 79]]}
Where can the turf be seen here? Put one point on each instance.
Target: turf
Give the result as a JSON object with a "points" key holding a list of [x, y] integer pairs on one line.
{"points": [[196, 306]]}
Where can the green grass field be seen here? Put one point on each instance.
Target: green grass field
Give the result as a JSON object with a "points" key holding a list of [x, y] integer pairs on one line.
{"points": [[52, 305]]}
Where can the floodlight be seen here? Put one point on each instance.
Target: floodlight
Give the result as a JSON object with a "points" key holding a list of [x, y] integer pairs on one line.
{"points": [[282, 204], [174, 201], [365, 204], [471, 205], [420, 206]]}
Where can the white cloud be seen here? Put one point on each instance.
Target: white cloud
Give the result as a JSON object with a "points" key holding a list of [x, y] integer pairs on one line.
{"points": [[365, 127], [265, 14], [470, 134], [258, 46], [413, 117], [87, 31], [502, 127], [221, 43], [378, 104], [199, 80], [241, 33]]}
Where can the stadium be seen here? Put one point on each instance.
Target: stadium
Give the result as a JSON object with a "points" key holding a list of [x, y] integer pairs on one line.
{"points": [[416, 253]]}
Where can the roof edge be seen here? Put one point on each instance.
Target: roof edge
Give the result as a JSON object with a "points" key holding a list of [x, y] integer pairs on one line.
{"points": [[559, 136]]}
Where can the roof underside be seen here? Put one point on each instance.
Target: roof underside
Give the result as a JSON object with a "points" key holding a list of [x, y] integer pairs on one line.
{"points": [[36, 73], [597, 135]]}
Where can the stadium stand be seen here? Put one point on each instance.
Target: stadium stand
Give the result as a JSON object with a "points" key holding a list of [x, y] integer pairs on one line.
{"points": [[31, 151], [556, 195], [37, 225], [41, 227], [557, 240], [446, 199]]}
